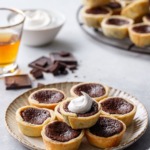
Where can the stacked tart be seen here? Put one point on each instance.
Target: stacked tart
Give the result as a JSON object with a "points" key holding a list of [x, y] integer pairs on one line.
{"points": [[63, 121]]}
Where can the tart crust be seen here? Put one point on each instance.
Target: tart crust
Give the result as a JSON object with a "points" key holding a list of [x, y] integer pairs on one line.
{"points": [[94, 20], [145, 20], [86, 83], [34, 102], [116, 31], [56, 145], [79, 122], [126, 118], [105, 142], [29, 129], [58, 115], [95, 3]]}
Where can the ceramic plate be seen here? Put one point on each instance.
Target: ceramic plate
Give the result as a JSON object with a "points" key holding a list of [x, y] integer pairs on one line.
{"points": [[133, 133]]}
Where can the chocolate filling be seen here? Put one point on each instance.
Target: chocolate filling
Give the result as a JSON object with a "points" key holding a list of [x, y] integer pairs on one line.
{"points": [[116, 106], [92, 111], [117, 21], [35, 116], [97, 10], [142, 29], [148, 16], [106, 127], [114, 5], [48, 97], [93, 90], [60, 131]]}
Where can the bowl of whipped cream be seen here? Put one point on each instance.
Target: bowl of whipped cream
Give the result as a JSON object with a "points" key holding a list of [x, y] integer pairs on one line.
{"points": [[41, 26]]}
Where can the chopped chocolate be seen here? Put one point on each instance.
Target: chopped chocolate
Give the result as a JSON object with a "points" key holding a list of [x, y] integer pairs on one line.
{"points": [[37, 74], [64, 54], [40, 85], [18, 82], [72, 67]]}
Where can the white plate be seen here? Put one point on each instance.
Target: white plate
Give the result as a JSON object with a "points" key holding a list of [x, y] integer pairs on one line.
{"points": [[133, 133]]}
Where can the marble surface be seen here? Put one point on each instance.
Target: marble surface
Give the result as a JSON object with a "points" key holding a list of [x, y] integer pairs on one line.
{"points": [[97, 62]]}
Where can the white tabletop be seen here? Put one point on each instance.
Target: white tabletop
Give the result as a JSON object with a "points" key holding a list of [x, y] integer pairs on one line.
{"points": [[97, 62]]}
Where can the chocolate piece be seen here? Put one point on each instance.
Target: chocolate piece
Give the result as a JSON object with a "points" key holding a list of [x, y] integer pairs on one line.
{"points": [[116, 106], [48, 96], [72, 67], [97, 10], [117, 21], [142, 29], [92, 111], [43, 63], [60, 131], [114, 5], [35, 116], [40, 85], [18, 82], [93, 90], [64, 54], [36, 73], [106, 127]]}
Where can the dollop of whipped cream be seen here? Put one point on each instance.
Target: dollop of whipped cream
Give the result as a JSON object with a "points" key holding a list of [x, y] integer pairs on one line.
{"points": [[81, 104]]}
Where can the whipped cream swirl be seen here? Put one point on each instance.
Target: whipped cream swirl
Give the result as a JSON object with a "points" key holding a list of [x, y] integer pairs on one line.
{"points": [[81, 104]]}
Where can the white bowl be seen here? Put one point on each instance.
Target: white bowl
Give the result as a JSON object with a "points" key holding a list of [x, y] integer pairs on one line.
{"points": [[34, 37]]}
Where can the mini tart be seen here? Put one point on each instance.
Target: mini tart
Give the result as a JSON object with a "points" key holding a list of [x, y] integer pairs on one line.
{"points": [[106, 133], [95, 3], [95, 90], [140, 34], [116, 26], [119, 108], [146, 19], [58, 113], [59, 136], [46, 98], [92, 17], [77, 120], [31, 119], [136, 10]]}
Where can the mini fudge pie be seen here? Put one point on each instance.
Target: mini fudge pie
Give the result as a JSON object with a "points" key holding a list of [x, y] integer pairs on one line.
{"points": [[140, 34], [32, 119], [46, 98], [106, 133], [94, 16], [119, 108], [136, 10], [94, 90], [116, 26], [59, 136], [81, 112], [94, 3]]}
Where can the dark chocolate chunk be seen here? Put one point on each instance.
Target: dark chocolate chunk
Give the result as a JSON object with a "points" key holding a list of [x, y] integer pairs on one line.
{"points": [[37, 74], [18, 82], [64, 54], [40, 85], [72, 67]]}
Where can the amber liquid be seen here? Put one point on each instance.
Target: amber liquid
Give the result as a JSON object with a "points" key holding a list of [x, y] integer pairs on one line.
{"points": [[9, 45]]}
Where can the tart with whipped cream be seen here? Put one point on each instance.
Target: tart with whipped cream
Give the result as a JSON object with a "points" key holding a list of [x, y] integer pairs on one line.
{"points": [[31, 119], [106, 133], [140, 34], [119, 108], [59, 136], [116, 26], [95, 90], [136, 10], [94, 16], [95, 3], [46, 98], [80, 112]]}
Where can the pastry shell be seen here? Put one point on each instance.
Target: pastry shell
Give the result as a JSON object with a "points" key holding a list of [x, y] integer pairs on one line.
{"points": [[116, 31], [105, 142], [79, 122], [126, 118], [145, 20], [73, 94], [95, 3], [58, 115], [34, 102], [94, 20], [29, 129], [56, 145]]}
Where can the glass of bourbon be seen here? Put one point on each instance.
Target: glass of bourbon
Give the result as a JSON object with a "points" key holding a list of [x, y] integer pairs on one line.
{"points": [[10, 36]]}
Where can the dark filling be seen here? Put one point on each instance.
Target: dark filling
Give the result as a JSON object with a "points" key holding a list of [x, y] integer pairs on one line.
{"points": [[60, 131], [114, 5], [35, 116], [116, 21], [148, 16], [93, 90], [48, 96], [116, 106], [92, 111], [142, 29], [106, 127], [97, 10]]}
